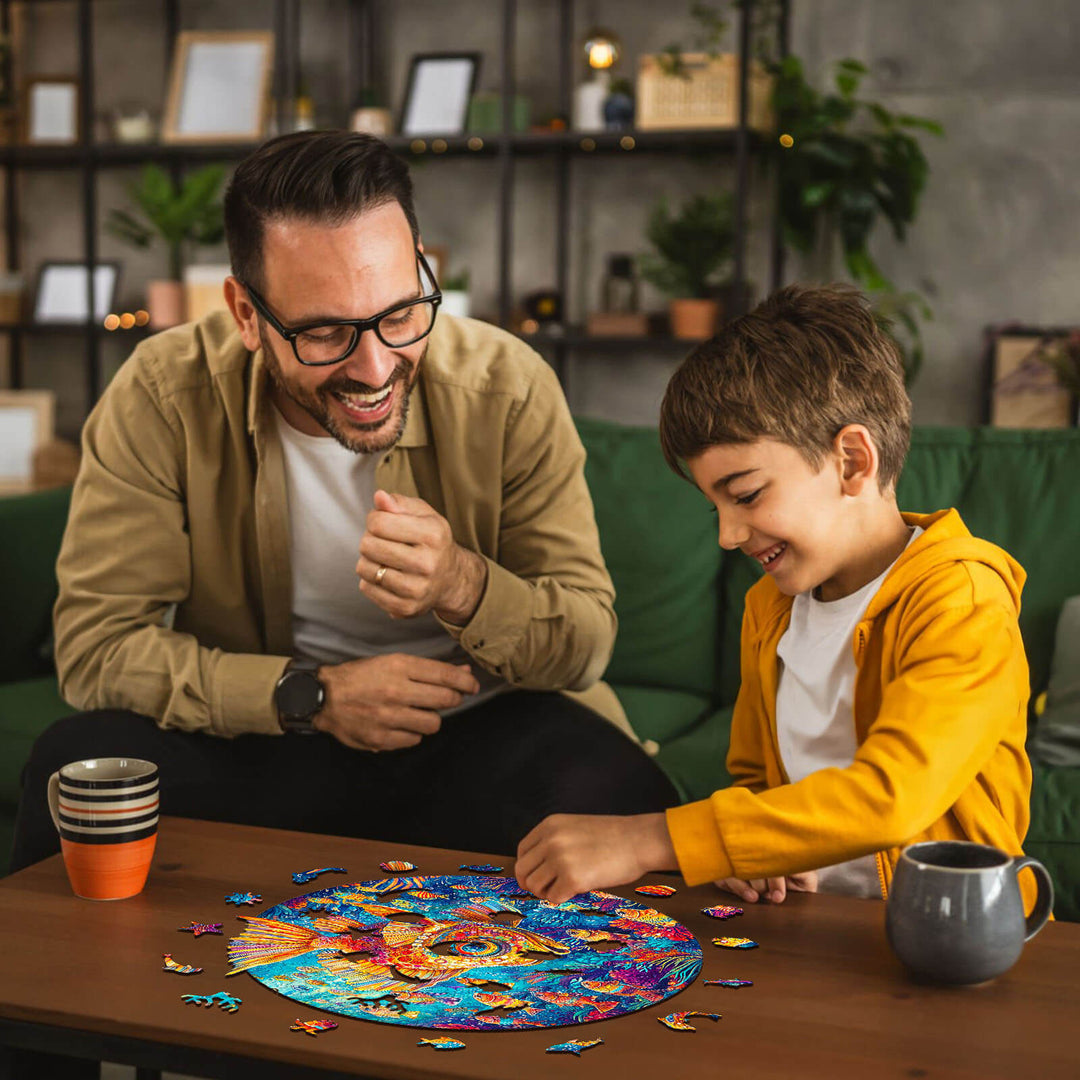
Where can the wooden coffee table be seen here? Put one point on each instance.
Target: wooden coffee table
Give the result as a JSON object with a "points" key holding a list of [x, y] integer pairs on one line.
{"points": [[828, 1000]]}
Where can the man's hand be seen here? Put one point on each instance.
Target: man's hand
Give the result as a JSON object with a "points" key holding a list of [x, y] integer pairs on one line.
{"points": [[772, 889], [571, 853], [425, 570], [389, 702]]}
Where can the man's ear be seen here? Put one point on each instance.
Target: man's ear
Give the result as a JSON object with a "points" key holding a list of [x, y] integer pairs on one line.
{"points": [[246, 317], [858, 457]]}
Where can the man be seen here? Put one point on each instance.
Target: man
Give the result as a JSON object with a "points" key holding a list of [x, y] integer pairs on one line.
{"points": [[352, 538]]}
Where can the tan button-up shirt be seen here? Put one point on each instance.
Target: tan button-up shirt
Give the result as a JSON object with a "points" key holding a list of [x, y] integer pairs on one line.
{"points": [[175, 586]]}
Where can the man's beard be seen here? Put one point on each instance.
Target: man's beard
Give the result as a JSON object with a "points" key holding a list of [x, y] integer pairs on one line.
{"points": [[315, 403]]}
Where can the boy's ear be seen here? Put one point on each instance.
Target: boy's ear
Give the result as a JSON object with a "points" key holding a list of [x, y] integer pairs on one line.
{"points": [[858, 456]]}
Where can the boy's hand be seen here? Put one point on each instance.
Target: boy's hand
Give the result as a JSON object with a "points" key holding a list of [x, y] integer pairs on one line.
{"points": [[567, 854], [772, 889]]}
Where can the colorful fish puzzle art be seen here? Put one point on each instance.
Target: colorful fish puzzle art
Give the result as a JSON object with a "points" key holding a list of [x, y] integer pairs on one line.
{"points": [[396, 866], [574, 1046], [677, 1021], [481, 868], [733, 983], [243, 898], [227, 1002], [721, 911], [466, 954], [442, 1043], [200, 928], [655, 890], [734, 943], [313, 1027], [180, 969], [302, 877]]}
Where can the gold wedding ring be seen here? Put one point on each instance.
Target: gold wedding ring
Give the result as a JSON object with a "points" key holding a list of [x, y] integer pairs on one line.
{"points": [[380, 574]]}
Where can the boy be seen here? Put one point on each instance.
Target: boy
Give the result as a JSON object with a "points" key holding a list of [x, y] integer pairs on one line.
{"points": [[884, 683]]}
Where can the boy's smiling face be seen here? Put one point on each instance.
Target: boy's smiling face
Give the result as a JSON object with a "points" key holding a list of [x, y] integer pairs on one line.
{"points": [[772, 505]]}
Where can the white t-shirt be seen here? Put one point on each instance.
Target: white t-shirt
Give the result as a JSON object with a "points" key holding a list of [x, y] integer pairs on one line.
{"points": [[815, 724], [330, 491]]}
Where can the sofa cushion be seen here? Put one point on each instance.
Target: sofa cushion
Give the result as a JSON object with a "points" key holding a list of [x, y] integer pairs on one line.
{"points": [[1051, 837], [1056, 738], [658, 714], [694, 760]]}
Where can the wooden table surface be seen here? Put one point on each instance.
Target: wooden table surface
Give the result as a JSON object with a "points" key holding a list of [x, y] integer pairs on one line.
{"points": [[828, 1000]]}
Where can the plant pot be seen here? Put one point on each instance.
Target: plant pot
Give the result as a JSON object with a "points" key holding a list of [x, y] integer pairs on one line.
{"points": [[693, 320], [165, 304]]}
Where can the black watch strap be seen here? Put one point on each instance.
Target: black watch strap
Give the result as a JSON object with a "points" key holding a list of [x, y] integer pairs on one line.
{"points": [[299, 695]]}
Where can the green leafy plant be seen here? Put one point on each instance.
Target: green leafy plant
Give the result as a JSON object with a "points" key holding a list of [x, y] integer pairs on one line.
{"points": [[188, 212], [712, 26], [1063, 355], [693, 246], [458, 282]]}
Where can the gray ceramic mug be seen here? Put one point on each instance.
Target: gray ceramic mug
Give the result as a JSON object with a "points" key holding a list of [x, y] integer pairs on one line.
{"points": [[954, 913]]}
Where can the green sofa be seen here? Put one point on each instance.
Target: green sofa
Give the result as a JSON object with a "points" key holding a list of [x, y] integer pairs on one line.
{"points": [[680, 597]]}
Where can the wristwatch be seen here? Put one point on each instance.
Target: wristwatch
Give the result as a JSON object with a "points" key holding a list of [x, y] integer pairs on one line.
{"points": [[298, 696]]}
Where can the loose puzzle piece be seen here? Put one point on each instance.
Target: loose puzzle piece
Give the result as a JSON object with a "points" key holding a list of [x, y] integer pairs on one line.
{"points": [[302, 877], [200, 928], [728, 982], [313, 1027], [677, 1020], [396, 866], [482, 868], [442, 1043], [655, 890], [243, 898], [734, 943], [180, 969], [574, 1046], [721, 911], [227, 1002]]}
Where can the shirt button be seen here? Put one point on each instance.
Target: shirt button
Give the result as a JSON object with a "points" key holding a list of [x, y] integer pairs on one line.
{"points": [[478, 643]]}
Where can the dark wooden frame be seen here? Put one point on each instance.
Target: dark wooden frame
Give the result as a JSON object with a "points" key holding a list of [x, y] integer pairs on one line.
{"points": [[410, 89]]}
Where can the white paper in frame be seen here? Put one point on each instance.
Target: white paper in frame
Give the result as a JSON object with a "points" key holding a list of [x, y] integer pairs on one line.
{"points": [[26, 422]]}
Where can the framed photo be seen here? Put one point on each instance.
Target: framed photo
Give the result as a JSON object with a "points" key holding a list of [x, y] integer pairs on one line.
{"points": [[437, 93], [62, 287], [26, 422], [219, 87], [51, 113]]}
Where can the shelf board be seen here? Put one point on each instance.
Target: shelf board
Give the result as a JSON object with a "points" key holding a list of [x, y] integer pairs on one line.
{"points": [[30, 327], [119, 154], [576, 338]]}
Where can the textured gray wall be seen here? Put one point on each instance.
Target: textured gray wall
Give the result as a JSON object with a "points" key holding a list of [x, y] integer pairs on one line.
{"points": [[995, 240]]}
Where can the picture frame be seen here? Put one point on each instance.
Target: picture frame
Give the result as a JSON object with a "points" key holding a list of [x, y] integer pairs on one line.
{"points": [[51, 111], [26, 423], [60, 296], [219, 87], [437, 93]]}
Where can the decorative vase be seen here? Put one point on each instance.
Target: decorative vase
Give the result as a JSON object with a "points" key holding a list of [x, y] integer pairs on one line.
{"points": [[693, 320], [165, 303], [618, 111]]}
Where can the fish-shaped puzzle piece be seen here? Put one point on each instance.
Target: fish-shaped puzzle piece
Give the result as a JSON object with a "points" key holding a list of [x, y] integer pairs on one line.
{"points": [[734, 943], [734, 983], [482, 868], [243, 898], [677, 1020], [200, 928], [313, 1027], [302, 877], [227, 1002], [396, 866], [442, 1043], [574, 1046], [721, 911], [180, 969], [655, 890]]}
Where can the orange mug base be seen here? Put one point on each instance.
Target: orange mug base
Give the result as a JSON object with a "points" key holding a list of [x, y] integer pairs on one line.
{"points": [[108, 871]]}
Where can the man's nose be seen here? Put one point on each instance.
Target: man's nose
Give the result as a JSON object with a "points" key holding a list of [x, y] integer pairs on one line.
{"points": [[733, 532], [371, 361]]}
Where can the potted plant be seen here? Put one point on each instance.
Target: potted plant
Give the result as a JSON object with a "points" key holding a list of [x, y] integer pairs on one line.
{"points": [[692, 250], [178, 214], [455, 294]]}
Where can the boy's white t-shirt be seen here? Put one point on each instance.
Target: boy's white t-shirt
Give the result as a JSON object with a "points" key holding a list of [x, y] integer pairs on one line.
{"points": [[815, 724], [330, 491]]}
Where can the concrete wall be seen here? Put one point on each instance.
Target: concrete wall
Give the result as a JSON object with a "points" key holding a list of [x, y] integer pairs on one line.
{"points": [[995, 240]]}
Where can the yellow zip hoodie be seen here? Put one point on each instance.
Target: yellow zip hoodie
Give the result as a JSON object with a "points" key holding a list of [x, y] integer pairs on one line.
{"points": [[940, 708]]}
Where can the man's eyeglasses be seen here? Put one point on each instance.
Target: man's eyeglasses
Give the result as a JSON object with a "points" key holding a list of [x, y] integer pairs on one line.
{"points": [[318, 344]]}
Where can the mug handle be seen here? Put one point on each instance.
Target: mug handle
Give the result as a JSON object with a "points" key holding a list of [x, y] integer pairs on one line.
{"points": [[54, 798], [1044, 898]]}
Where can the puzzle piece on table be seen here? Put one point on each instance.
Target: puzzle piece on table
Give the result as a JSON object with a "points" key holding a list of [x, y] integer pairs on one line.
{"points": [[721, 911], [227, 1002], [482, 868], [574, 1046], [313, 1027], [396, 866], [677, 1020], [728, 982], [500, 1001], [199, 928], [243, 898], [734, 943], [180, 969], [655, 890], [302, 877], [442, 1043]]}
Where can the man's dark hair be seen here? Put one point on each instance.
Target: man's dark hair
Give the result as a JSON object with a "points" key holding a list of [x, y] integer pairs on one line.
{"points": [[321, 176]]}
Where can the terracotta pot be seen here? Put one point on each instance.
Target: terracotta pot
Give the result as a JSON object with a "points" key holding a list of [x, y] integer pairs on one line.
{"points": [[693, 320], [165, 304]]}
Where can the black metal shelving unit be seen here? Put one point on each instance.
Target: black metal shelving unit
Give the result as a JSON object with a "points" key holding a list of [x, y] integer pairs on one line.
{"points": [[570, 150]]}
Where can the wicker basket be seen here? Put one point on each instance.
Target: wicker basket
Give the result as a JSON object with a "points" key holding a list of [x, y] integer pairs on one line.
{"points": [[709, 98]]}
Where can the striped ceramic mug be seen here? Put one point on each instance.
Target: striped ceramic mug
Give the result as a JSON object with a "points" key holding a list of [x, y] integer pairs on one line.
{"points": [[106, 811]]}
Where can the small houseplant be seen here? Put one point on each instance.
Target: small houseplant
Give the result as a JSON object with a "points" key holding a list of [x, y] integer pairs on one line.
{"points": [[178, 214], [693, 248]]}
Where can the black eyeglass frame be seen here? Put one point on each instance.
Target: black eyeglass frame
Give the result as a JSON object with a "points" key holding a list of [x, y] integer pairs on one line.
{"points": [[290, 334]]}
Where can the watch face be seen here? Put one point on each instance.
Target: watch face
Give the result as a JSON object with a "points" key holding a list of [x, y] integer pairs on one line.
{"points": [[298, 694]]}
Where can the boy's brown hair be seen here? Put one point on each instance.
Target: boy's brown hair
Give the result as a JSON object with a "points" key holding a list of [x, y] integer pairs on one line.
{"points": [[798, 368]]}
